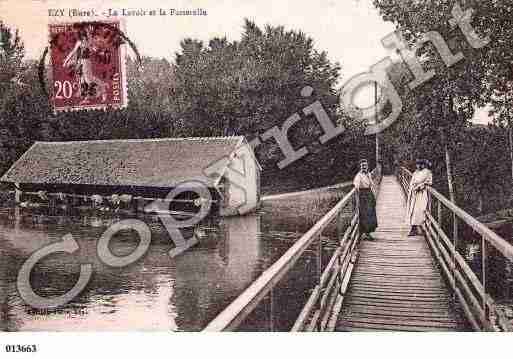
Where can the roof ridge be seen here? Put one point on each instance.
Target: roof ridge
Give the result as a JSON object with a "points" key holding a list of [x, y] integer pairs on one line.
{"points": [[162, 139]]}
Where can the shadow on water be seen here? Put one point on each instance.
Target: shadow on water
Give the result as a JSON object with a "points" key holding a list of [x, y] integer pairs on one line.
{"points": [[158, 292]]}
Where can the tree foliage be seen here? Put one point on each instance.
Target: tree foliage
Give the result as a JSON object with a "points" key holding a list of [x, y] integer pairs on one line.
{"points": [[486, 72], [446, 103], [248, 86], [252, 84]]}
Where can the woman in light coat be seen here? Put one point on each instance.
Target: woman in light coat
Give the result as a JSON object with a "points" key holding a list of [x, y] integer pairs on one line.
{"points": [[418, 198]]}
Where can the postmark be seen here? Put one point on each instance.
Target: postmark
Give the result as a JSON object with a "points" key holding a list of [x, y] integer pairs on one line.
{"points": [[88, 65]]}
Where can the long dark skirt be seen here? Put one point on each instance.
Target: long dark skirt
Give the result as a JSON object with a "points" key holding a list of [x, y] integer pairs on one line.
{"points": [[368, 219]]}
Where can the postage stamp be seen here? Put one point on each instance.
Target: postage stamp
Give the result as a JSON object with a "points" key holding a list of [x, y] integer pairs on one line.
{"points": [[88, 65]]}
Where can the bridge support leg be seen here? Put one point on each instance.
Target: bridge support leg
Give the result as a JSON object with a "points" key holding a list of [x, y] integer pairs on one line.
{"points": [[319, 259], [484, 320], [17, 195]]}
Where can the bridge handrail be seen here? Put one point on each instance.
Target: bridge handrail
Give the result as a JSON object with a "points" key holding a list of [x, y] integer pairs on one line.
{"points": [[480, 310], [231, 317]]}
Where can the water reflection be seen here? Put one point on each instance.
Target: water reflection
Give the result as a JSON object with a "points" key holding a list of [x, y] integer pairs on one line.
{"points": [[157, 292], [499, 270]]}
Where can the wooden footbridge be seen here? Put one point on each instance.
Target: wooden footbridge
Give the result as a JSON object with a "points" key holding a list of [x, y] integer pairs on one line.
{"points": [[394, 283]]}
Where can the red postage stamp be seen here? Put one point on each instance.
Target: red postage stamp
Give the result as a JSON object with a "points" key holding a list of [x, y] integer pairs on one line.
{"points": [[88, 65]]}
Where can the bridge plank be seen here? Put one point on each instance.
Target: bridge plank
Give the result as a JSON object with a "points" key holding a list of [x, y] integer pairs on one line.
{"points": [[400, 297], [400, 321], [397, 311], [357, 327], [412, 306], [396, 284], [395, 279], [416, 291], [400, 284]]}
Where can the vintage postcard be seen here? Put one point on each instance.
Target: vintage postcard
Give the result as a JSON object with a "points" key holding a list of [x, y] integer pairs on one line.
{"points": [[255, 166]]}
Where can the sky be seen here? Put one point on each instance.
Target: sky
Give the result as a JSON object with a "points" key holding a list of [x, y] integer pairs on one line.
{"points": [[350, 31]]}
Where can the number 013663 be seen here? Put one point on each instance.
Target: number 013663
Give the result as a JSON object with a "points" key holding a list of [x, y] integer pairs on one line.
{"points": [[18, 348]]}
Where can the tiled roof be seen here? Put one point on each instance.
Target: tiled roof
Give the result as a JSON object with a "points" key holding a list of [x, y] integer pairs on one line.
{"points": [[162, 162]]}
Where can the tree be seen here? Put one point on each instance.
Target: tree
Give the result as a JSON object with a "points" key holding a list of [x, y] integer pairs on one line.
{"points": [[450, 98], [483, 167], [246, 87], [22, 106], [11, 55]]}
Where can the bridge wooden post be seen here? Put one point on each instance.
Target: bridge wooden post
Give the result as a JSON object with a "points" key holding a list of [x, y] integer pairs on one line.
{"points": [[455, 228], [18, 218], [378, 149], [140, 204], [75, 201], [319, 278], [135, 204], [439, 214], [17, 193], [319, 259], [454, 245], [483, 280], [271, 310]]}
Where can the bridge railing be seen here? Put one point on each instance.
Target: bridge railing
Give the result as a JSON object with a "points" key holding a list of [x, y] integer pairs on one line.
{"points": [[470, 288], [332, 281]]}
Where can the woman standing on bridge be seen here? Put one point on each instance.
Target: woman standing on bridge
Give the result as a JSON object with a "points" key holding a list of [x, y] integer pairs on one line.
{"points": [[418, 199], [367, 201]]}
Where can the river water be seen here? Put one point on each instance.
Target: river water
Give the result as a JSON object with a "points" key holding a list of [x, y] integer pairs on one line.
{"points": [[160, 293]]}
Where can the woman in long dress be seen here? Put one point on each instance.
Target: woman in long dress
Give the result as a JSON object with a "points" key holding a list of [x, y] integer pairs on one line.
{"points": [[80, 59], [367, 201], [418, 199]]}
